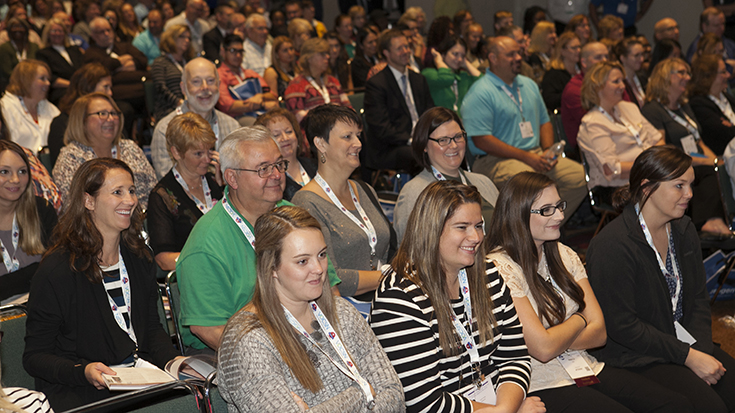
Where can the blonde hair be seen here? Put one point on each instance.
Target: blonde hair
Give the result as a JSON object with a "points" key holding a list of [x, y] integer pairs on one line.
{"points": [[169, 37], [77, 129], [188, 131], [557, 61], [594, 81], [298, 26], [46, 29], [538, 37], [310, 48], [23, 75], [660, 81]]}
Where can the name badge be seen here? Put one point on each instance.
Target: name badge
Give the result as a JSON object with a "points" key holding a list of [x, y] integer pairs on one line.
{"points": [[689, 144], [622, 8], [577, 368], [683, 335], [484, 394], [526, 129]]}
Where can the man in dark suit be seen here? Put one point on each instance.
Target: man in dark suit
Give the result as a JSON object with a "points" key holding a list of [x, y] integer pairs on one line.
{"points": [[212, 40], [394, 100]]}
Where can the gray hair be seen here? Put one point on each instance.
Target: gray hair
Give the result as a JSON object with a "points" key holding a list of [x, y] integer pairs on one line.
{"points": [[251, 20], [231, 151], [185, 73], [94, 22]]}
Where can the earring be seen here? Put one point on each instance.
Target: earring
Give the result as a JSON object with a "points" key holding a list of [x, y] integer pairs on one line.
{"points": [[322, 158]]}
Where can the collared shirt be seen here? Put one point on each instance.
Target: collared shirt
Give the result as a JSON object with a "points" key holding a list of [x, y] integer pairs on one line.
{"points": [[398, 75], [256, 58], [148, 44], [198, 28]]}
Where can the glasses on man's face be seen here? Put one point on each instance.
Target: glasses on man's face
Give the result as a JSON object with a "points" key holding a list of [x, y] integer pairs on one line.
{"points": [[266, 171], [550, 210], [445, 141], [234, 50], [105, 114]]}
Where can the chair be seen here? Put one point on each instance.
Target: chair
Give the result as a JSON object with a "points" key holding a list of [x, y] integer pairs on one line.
{"points": [[163, 398], [559, 133], [726, 194], [11, 348], [214, 401], [608, 211], [172, 292], [357, 100]]}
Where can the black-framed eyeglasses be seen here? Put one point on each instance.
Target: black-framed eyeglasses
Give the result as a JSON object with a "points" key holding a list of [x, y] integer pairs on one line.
{"points": [[236, 51], [445, 141], [105, 114], [267, 170], [550, 210]]}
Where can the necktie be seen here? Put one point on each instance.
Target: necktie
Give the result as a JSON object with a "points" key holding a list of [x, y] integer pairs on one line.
{"points": [[409, 103]]}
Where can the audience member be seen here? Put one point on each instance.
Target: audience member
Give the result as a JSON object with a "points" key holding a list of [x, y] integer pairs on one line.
{"points": [[74, 39], [98, 270], [278, 24], [18, 49], [299, 30], [629, 53], [451, 74], [62, 58], [531, 17], [665, 49], [563, 65], [95, 131], [666, 28], [129, 25], [358, 16], [283, 66], [257, 46], [212, 40], [366, 56], [502, 19], [666, 337], [438, 281], [712, 20], [192, 16], [84, 12], [148, 42], [298, 367], [253, 168], [200, 84], [143, 10], [112, 15], [439, 144], [475, 39], [628, 14], [580, 25], [510, 128], [40, 14], [187, 191], [19, 12], [343, 28], [515, 33], [292, 8], [308, 12], [167, 69], [419, 52], [610, 27], [711, 103], [543, 39], [19, 399], [339, 61]]}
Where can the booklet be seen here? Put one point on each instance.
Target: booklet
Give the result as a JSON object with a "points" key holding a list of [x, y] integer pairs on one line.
{"points": [[145, 374]]}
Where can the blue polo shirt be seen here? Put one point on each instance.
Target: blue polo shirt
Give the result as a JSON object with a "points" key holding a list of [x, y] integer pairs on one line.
{"points": [[488, 110]]}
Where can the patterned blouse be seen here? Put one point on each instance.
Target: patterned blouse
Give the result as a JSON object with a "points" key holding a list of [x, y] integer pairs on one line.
{"points": [[301, 95], [43, 185]]}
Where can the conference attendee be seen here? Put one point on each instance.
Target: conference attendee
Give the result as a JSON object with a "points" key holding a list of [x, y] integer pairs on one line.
{"points": [[253, 169], [502, 18], [283, 66], [630, 54], [653, 247], [26, 222], [84, 11], [112, 15], [711, 103], [343, 28], [339, 61], [212, 40], [62, 58], [19, 399], [18, 49], [95, 131], [292, 9], [244, 109], [394, 99], [92, 77], [74, 39], [167, 69], [613, 132], [257, 55], [509, 127], [665, 49], [18, 11], [366, 56], [531, 17], [286, 131], [444, 316], [299, 30], [25, 105], [451, 74], [563, 65], [543, 39], [303, 350], [308, 13], [475, 39], [143, 10], [709, 43], [610, 28], [712, 20], [187, 192], [580, 25], [128, 25], [516, 33], [626, 15], [359, 18], [192, 16], [557, 307], [314, 86], [148, 42], [419, 51], [666, 28], [439, 144], [360, 238], [200, 84], [93, 301], [668, 111]]}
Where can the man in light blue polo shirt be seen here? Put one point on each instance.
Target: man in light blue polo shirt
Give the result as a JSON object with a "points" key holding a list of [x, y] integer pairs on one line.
{"points": [[505, 116]]}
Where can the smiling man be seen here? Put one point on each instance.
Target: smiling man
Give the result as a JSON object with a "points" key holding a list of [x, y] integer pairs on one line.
{"points": [[200, 84]]}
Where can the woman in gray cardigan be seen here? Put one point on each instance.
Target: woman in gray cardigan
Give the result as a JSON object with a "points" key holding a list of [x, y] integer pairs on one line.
{"points": [[439, 143]]}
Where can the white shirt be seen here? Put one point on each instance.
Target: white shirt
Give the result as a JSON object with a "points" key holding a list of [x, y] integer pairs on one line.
{"points": [[24, 130], [256, 58]]}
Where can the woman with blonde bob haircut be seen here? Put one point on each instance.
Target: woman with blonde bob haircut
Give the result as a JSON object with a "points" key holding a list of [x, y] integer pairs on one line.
{"points": [[287, 357], [543, 39], [564, 64], [95, 131]]}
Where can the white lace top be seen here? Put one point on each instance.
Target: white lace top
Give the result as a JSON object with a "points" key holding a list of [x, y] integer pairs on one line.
{"points": [[545, 375]]}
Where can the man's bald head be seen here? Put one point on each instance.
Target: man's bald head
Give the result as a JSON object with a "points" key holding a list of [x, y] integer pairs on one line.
{"points": [[504, 55], [593, 52], [666, 28]]}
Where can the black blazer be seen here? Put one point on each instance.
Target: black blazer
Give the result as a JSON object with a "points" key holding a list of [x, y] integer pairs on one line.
{"points": [[717, 131], [125, 85], [360, 67], [211, 42], [70, 325], [386, 112], [292, 186], [60, 68]]}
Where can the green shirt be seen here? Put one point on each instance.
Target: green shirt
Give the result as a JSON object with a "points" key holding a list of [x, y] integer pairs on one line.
{"points": [[440, 85]]}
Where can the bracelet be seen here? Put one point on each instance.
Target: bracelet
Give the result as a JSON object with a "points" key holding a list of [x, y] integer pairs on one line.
{"points": [[583, 318]]}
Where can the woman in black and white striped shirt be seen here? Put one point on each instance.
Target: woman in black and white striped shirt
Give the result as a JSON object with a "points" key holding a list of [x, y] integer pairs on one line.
{"points": [[421, 311]]}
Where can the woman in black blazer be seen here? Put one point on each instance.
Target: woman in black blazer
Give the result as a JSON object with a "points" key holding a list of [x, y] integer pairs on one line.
{"points": [[62, 58], [711, 103], [93, 301]]}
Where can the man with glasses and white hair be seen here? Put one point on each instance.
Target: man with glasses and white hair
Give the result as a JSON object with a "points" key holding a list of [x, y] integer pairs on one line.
{"points": [[216, 269], [200, 84]]}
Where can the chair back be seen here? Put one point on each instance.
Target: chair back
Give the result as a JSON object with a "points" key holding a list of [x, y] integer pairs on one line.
{"points": [[13, 325], [726, 194], [174, 297], [357, 100], [559, 133]]}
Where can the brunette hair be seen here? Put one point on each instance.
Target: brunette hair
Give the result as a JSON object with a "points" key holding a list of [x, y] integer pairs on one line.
{"points": [[622, 48], [319, 122], [575, 22], [281, 113], [278, 43], [661, 51], [706, 45], [83, 82], [168, 40], [430, 121], [607, 25], [557, 61], [704, 72], [76, 131]]}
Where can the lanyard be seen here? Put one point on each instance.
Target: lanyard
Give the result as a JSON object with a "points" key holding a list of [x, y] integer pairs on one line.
{"points": [[304, 176], [322, 90], [440, 177], [467, 341], [636, 133], [215, 125], [366, 225], [689, 124], [177, 64], [724, 106], [125, 285], [640, 93], [239, 221], [661, 264], [205, 187], [12, 263], [349, 371], [518, 102]]}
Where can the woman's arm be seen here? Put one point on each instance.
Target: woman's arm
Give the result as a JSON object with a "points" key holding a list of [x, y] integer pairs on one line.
{"points": [[161, 227], [271, 78], [594, 334]]}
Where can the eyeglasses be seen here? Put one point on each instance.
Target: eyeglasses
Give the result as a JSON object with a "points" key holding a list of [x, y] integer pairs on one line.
{"points": [[237, 51], [550, 210], [105, 114], [445, 141], [682, 72], [267, 170]]}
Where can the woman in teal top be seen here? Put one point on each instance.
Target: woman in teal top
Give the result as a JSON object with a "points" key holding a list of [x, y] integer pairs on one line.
{"points": [[452, 75]]}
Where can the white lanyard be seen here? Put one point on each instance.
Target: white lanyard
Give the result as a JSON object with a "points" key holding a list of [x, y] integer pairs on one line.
{"points": [[12, 263], [215, 125], [724, 106], [322, 90], [365, 225], [351, 370], [455, 89], [125, 286], [304, 176], [467, 341], [177, 64], [640, 94], [205, 187], [440, 177], [636, 133], [114, 152], [689, 124], [661, 264], [518, 102], [239, 221]]}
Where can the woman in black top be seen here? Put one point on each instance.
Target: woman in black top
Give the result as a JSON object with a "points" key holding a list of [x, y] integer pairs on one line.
{"points": [[63, 58], [366, 56], [711, 103]]}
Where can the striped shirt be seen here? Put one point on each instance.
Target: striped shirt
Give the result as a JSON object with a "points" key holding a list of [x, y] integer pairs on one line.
{"points": [[28, 400], [113, 285], [403, 320]]}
